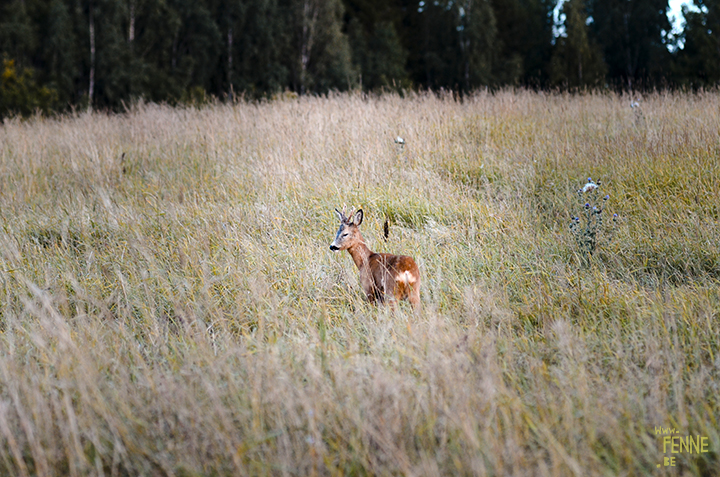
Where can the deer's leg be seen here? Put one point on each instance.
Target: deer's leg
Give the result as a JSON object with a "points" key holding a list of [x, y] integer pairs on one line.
{"points": [[414, 297]]}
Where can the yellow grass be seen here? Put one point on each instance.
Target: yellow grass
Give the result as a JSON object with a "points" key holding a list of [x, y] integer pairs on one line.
{"points": [[169, 304]]}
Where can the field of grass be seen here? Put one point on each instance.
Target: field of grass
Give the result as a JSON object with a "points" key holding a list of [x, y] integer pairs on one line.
{"points": [[169, 304]]}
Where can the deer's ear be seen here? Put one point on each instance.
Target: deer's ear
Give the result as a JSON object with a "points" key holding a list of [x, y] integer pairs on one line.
{"points": [[357, 218], [340, 215]]}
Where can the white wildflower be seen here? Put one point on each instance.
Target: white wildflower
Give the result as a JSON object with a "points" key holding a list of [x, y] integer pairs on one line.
{"points": [[590, 186]]}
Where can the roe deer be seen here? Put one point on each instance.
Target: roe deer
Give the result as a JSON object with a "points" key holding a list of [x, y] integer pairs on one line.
{"points": [[383, 276]]}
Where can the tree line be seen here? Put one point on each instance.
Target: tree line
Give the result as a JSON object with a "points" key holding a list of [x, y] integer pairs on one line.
{"points": [[58, 54]]}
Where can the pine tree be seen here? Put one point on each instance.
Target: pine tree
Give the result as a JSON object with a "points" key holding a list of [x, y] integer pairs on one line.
{"points": [[524, 40], [59, 52], [154, 25], [18, 39], [477, 42], [265, 40], [452, 44], [319, 57], [197, 43], [229, 16], [377, 50], [698, 63], [113, 65], [576, 61], [631, 37]]}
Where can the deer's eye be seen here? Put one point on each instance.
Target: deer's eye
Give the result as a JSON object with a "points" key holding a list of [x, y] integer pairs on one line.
{"points": [[345, 235]]}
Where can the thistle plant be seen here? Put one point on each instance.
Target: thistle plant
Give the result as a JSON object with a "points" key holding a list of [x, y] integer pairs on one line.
{"points": [[587, 225]]}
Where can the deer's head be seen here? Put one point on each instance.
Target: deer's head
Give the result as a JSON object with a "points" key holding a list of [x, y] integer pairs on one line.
{"points": [[348, 234]]}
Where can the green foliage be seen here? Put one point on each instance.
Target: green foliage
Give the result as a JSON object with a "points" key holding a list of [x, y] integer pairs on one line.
{"points": [[159, 50], [630, 34], [17, 35], [524, 40], [20, 94], [59, 52], [576, 61], [477, 38], [260, 35], [452, 44], [194, 96], [318, 54], [698, 63], [378, 55]]}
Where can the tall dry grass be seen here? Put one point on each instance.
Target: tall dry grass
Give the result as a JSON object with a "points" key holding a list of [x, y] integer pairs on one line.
{"points": [[169, 304]]}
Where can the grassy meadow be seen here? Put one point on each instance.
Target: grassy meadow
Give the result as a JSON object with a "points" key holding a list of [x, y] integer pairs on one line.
{"points": [[169, 304]]}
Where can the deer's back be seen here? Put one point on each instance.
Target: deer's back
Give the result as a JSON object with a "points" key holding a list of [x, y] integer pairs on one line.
{"points": [[395, 274]]}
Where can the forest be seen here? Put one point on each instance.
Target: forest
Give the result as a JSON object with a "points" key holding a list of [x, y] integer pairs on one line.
{"points": [[105, 54]]}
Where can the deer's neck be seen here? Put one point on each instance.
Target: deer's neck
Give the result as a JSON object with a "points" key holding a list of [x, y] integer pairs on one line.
{"points": [[360, 254]]}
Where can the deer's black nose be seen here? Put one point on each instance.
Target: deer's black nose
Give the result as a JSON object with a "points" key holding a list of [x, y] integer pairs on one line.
{"points": [[333, 248]]}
